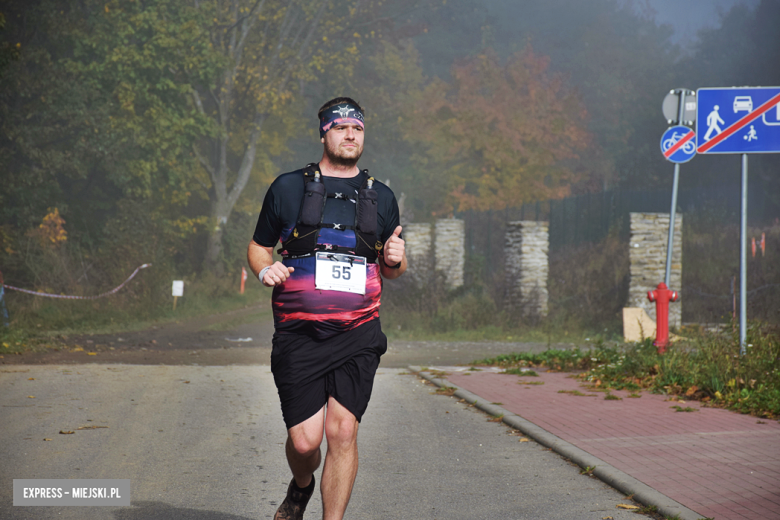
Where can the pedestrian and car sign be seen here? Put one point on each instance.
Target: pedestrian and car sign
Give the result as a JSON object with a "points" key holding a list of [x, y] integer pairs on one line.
{"points": [[678, 145], [738, 120]]}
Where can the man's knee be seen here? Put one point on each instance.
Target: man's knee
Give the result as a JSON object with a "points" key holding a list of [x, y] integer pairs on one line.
{"points": [[305, 441], [341, 430]]}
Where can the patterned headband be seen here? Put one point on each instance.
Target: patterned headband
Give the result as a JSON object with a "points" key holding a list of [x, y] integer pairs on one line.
{"points": [[339, 115]]}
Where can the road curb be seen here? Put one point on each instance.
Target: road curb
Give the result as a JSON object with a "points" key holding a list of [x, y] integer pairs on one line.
{"points": [[619, 480]]}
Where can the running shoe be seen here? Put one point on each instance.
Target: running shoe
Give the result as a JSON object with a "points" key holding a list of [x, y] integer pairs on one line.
{"points": [[295, 502]]}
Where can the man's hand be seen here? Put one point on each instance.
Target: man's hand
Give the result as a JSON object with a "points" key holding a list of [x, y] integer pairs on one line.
{"points": [[277, 274], [394, 248]]}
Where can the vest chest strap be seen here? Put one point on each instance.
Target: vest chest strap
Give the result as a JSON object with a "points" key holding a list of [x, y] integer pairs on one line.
{"points": [[302, 242]]}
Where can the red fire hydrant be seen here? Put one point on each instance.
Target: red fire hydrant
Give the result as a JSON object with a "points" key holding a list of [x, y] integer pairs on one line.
{"points": [[662, 296]]}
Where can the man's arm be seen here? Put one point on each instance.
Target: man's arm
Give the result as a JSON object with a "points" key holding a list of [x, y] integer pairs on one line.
{"points": [[260, 257], [394, 253]]}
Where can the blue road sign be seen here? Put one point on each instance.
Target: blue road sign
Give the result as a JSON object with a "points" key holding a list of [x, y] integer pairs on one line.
{"points": [[738, 120], [678, 144]]}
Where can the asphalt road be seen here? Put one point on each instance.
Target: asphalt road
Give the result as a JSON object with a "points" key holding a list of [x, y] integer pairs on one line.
{"points": [[206, 442]]}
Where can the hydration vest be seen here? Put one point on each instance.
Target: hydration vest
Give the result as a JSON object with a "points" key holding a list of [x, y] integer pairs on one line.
{"points": [[302, 242]]}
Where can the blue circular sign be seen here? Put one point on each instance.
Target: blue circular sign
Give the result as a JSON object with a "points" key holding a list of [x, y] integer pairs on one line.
{"points": [[678, 144]]}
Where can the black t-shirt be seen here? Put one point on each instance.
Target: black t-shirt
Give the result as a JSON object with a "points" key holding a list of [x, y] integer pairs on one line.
{"points": [[298, 306]]}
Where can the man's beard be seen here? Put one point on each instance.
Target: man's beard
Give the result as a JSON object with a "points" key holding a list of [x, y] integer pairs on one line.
{"points": [[338, 160]]}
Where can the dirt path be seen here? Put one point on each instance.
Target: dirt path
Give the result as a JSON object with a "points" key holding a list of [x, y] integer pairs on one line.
{"points": [[240, 337]]}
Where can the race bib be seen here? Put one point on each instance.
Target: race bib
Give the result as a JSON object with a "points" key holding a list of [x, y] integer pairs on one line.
{"points": [[337, 272]]}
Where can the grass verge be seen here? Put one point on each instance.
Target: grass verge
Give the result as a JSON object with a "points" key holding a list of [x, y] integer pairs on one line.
{"points": [[36, 321], [707, 368]]}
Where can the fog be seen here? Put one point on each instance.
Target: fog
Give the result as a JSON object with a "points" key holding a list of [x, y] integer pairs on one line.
{"points": [[687, 18], [150, 131]]}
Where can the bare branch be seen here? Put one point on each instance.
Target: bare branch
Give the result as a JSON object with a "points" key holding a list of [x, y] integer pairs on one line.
{"points": [[390, 18], [314, 24], [307, 41], [285, 27], [198, 102], [245, 30], [232, 31], [248, 160], [203, 161], [219, 105], [203, 185], [243, 96], [287, 71], [258, 6], [222, 169], [297, 36]]}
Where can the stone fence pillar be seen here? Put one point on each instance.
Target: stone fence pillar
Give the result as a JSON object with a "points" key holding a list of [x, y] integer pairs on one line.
{"points": [[441, 246], [647, 257], [526, 248], [450, 244], [418, 239]]}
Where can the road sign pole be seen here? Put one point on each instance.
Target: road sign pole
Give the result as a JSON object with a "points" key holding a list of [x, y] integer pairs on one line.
{"points": [[672, 216], [743, 258], [672, 213]]}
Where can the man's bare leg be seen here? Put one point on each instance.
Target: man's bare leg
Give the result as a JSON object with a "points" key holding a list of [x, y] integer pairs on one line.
{"points": [[303, 456], [341, 460], [303, 448]]}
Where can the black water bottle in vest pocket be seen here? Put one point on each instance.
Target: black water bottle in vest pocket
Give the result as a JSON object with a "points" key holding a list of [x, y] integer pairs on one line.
{"points": [[366, 210], [313, 202]]}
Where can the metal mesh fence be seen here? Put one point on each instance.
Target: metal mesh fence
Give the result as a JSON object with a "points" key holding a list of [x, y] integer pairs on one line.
{"points": [[580, 227]]}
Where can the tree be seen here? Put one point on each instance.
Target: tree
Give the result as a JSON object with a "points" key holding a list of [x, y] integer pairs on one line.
{"points": [[54, 132], [620, 61], [499, 135], [266, 46], [211, 84]]}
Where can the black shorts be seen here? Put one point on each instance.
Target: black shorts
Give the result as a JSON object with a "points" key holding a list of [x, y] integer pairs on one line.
{"points": [[307, 371]]}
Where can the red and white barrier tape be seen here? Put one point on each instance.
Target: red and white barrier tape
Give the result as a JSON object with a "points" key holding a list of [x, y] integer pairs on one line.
{"points": [[112, 291]]}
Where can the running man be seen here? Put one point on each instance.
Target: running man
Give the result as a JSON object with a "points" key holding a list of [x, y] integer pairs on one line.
{"points": [[712, 123], [340, 236]]}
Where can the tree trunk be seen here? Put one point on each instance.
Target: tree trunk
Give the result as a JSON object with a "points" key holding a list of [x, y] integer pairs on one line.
{"points": [[223, 199], [222, 193], [214, 261]]}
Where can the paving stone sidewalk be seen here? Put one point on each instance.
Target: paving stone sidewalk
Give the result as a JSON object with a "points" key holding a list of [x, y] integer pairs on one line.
{"points": [[721, 464]]}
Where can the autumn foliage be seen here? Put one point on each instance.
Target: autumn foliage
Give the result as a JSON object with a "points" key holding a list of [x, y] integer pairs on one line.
{"points": [[501, 134], [51, 231]]}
